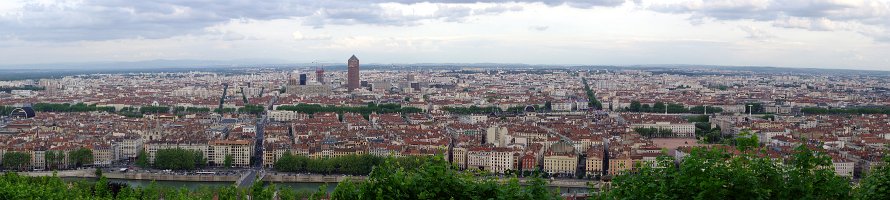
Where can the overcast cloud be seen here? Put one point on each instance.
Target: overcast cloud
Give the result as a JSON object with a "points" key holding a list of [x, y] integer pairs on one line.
{"points": [[397, 31]]}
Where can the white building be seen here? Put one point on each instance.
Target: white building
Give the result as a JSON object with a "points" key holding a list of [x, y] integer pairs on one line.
{"points": [[473, 119]]}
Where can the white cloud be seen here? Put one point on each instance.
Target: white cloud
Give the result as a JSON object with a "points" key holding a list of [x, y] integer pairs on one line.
{"points": [[299, 36]]}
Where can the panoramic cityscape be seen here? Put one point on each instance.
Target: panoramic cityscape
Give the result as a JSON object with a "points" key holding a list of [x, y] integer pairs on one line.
{"points": [[194, 109]]}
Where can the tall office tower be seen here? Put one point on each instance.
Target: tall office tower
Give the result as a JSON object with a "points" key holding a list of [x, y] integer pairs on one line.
{"points": [[352, 76], [302, 79], [319, 75], [291, 80]]}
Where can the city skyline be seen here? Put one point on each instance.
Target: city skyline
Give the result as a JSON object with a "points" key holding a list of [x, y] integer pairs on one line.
{"points": [[803, 34]]}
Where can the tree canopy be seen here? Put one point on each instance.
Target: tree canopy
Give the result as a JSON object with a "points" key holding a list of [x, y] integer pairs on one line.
{"points": [[718, 174], [437, 179], [364, 110], [179, 159], [80, 157]]}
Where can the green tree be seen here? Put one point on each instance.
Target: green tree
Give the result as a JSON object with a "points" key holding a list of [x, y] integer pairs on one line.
{"points": [[80, 157], [179, 159], [746, 141], [16, 160], [876, 184], [811, 176], [433, 178], [54, 159], [227, 162], [659, 107], [635, 106], [142, 159]]}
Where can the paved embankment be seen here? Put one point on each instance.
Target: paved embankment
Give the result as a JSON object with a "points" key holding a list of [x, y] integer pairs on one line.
{"points": [[90, 173]]}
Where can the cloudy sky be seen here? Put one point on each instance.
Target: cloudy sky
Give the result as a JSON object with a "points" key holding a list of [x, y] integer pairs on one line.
{"points": [[852, 34]]}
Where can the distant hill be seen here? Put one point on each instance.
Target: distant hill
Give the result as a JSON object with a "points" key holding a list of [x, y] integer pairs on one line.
{"points": [[34, 71]]}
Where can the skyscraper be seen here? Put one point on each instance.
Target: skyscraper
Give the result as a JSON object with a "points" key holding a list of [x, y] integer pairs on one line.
{"points": [[319, 75], [303, 79], [352, 75]]}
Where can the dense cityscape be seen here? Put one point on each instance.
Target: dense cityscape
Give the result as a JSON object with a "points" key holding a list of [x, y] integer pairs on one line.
{"points": [[577, 126], [444, 99]]}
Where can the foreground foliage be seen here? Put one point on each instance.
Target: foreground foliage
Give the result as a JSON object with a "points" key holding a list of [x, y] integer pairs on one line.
{"points": [[433, 179], [719, 174], [436, 179], [14, 186]]}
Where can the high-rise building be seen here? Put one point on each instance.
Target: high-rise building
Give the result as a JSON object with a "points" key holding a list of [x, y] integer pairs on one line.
{"points": [[319, 75], [303, 79], [352, 76]]}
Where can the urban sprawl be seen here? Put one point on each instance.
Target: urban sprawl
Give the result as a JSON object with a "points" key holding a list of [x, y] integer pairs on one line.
{"points": [[568, 122]]}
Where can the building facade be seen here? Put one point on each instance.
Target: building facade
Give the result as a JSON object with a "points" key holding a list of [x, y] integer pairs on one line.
{"points": [[353, 77]]}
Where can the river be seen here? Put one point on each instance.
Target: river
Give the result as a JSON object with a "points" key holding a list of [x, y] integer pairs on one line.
{"points": [[196, 185], [295, 186]]}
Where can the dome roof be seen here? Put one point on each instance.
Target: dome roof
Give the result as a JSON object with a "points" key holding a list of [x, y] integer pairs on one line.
{"points": [[23, 112], [529, 108]]}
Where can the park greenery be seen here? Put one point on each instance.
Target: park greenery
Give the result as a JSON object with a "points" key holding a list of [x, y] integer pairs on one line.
{"points": [[364, 110], [654, 132], [755, 108], [473, 110], [251, 109], [65, 107], [593, 103], [138, 112], [661, 107], [704, 132], [174, 159], [348, 164]]}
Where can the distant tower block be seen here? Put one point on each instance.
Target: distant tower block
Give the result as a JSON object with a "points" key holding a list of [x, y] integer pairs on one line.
{"points": [[303, 79], [353, 74], [319, 75]]}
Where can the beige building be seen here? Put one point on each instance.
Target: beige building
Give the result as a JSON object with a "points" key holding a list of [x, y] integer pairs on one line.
{"points": [[284, 115], [502, 159], [239, 150], [459, 157], [104, 155], [128, 146], [843, 167], [594, 163], [478, 158], [561, 158]]}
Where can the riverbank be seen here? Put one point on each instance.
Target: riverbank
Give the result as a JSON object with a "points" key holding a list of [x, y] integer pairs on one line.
{"points": [[268, 177], [90, 173]]}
